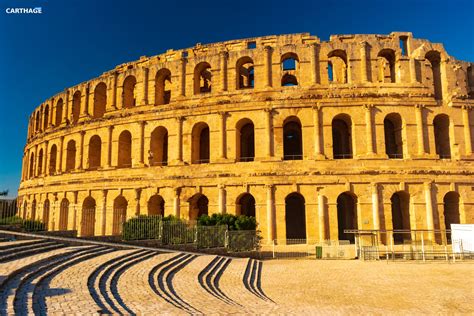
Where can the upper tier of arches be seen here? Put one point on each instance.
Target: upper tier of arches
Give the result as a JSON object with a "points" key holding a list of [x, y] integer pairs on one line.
{"points": [[272, 63]]}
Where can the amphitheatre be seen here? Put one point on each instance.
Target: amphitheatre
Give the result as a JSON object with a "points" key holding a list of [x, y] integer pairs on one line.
{"points": [[314, 139]]}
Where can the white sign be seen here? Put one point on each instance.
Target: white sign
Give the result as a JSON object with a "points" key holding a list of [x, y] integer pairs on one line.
{"points": [[462, 237]]}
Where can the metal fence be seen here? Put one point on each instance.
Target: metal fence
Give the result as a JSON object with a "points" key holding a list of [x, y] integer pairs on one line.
{"points": [[308, 249], [20, 224]]}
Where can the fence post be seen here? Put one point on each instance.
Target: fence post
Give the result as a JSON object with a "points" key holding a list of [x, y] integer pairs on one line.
{"points": [[273, 247], [423, 246]]}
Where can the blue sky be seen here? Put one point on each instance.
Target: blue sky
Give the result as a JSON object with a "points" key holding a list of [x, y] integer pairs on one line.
{"points": [[76, 40]]}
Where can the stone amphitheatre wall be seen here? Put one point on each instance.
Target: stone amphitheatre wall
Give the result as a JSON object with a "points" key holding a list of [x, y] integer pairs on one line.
{"points": [[366, 131]]}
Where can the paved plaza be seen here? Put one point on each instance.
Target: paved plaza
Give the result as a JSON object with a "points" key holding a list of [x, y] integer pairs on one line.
{"points": [[47, 277]]}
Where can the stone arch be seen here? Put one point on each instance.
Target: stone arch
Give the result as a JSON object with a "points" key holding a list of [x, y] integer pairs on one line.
{"points": [[76, 106], [163, 87], [46, 206], [245, 205], [32, 166], [88, 217], [346, 215], [63, 214], [156, 205], [289, 66], [71, 155], [245, 132], [200, 146], [59, 112], [158, 155], [342, 137], [39, 167], [337, 66], [451, 210], [245, 77], [53, 152], [25, 209], [125, 150], [386, 64], [441, 124], [128, 93], [46, 117], [400, 204], [95, 151], [119, 215], [434, 58], [393, 127], [295, 216], [37, 122], [198, 206], [292, 139], [202, 78], [100, 100]]}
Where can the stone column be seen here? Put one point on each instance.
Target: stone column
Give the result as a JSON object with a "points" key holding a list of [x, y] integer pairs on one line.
{"points": [[142, 143], [375, 206], [270, 213], [85, 109], [321, 217], [222, 149], [412, 70], [61, 149], [35, 163], [467, 129], [109, 147], [317, 133], [138, 194], [45, 157], [429, 210], [114, 91], [145, 72], [104, 211], [51, 110], [363, 61], [368, 129], [180, 120], [315, 63], [66, 106], [176, 202], [419, 129], [81, 150], [74, 220], [182, 90], [222, 199], [269, 123], [268, 66], [223, 66]]}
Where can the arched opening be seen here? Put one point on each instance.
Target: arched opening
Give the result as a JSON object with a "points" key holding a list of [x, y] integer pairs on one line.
{"points": [[88, 217], [434, 58], [156, 205], [63, 214], [46, 213], [386, 65], [32, 166], [441, 135], [346, 215], [202, 78], [128, 94], [39, 168], [52, 160], [451, 211], [37, 122], [337, 66], [295, 216], [392, 125], [158, 155], [100, 100], [120, 213], [245, 140], [95, 149], [200, 143], [71, 155], [198, 206], [163, 87], [342, 137], [125, 150], [400, 202], [245, 73], [33, 210], [289, 66], [246, 205], [25, 210], [76, 106], [59, 112], [292, 139], [46, 117]]}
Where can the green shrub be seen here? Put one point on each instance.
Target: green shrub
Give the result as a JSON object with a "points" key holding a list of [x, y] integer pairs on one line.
{"points": [[233, 222], [142, 227], [30, 225]]}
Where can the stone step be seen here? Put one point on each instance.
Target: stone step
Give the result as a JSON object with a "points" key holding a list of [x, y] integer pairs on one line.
{"points": [[29, 252]]}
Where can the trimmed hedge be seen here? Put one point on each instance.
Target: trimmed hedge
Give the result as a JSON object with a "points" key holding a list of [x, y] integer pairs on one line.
{"points": [[233, 222]]}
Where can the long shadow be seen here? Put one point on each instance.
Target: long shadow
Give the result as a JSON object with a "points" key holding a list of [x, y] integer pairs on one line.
{"points": [[252, 279], [217, 280]]}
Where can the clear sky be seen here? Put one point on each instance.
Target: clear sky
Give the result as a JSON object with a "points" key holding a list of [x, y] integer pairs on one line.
{"points": [[76, 40]]}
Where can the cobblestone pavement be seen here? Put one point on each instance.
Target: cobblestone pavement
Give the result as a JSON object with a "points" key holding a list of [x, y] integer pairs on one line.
{"points": [[99, 279]]}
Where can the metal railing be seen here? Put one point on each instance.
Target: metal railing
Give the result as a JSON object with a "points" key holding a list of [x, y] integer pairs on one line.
{"points": [[20, 224], [395, 156], [201, 161], [343, 156], [245, 159], [292, 157]]}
